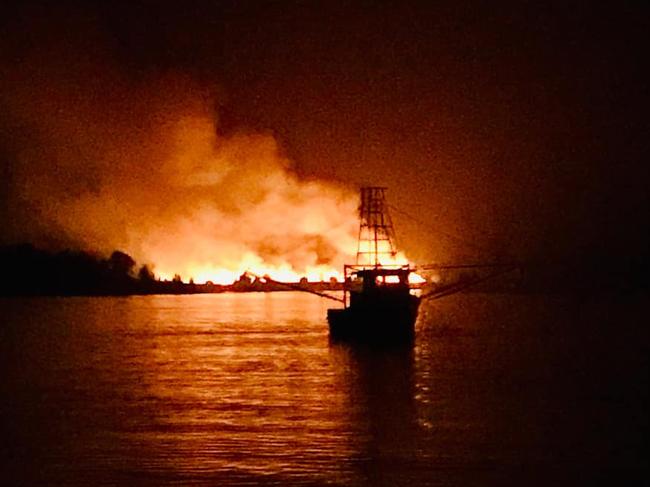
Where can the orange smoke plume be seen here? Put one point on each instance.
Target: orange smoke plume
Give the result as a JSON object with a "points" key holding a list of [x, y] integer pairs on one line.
{"points": [[161, 184], [103, 161]]}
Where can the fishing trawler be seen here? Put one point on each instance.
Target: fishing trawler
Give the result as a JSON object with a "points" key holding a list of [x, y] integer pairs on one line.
{"points": [[378, 304]]}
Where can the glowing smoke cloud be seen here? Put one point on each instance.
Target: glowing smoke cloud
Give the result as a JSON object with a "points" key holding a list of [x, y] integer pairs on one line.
{"points": [[102, 161]]}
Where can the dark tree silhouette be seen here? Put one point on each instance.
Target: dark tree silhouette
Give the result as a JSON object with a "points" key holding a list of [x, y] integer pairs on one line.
{"points": [[145, 274], [121, 263]]}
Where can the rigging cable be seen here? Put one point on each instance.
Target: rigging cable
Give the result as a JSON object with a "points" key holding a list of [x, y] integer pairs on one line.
{"points": [[458, 287]]}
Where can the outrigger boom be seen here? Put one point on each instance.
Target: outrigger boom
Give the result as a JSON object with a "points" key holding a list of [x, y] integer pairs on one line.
{"points": [[296, 287]]}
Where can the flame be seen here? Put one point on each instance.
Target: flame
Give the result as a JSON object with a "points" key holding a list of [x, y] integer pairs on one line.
{"points": [[216, 275], [255, 266]]}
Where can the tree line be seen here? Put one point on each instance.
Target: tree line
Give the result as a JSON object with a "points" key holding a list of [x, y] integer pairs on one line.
{"points": [[29, 271]]}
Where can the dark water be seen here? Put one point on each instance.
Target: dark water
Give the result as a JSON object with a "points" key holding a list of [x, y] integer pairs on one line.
{"points": [[246, 390]]}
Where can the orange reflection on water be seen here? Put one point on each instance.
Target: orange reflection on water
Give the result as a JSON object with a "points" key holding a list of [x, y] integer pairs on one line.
{"points": [[238, 391]]}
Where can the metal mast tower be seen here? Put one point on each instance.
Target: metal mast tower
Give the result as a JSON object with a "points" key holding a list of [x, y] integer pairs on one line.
{"points": [[376, 234]]}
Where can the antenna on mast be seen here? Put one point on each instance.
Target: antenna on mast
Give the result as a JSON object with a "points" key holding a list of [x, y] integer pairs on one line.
{"points": [[376, 232]]}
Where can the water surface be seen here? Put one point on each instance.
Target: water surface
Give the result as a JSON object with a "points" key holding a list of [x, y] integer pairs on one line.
{"points": [[245, 389]]}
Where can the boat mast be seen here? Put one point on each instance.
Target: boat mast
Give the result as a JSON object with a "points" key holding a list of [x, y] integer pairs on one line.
{"points": [[376, 232]]}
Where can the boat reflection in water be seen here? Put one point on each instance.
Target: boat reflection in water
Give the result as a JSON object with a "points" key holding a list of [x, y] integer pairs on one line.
{"points": [[380, 382]]}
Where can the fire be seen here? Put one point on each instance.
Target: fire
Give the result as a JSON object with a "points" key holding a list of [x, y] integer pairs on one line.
{"points": [[143, 168], [252, 213], [311, 232], [255, 265], [245, 210], [202, 274]]}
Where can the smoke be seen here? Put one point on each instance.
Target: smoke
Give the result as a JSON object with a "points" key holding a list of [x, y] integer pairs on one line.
{"points": [[102, 159]]}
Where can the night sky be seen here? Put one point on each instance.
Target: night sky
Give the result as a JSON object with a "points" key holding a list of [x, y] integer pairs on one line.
{"points": [[508, 129]]}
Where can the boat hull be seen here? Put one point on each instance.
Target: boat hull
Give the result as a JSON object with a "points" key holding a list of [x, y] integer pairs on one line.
{"points": [[374, 324]]}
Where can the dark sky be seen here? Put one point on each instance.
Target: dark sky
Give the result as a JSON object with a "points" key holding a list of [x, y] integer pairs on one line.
{"points": [[517, 127]]}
